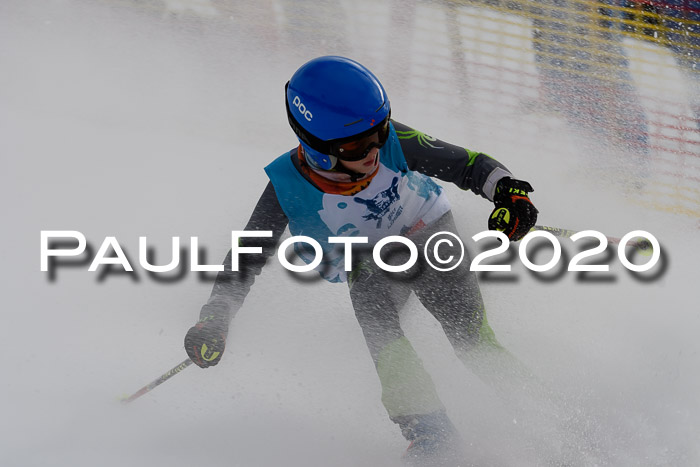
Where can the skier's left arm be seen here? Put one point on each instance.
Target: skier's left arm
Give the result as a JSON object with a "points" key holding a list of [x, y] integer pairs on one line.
{"points": [[206, 340], [514, 214]]}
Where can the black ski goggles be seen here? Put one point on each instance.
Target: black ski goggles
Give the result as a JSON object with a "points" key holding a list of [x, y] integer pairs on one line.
{"points": [[351, 148], [360, 146]]}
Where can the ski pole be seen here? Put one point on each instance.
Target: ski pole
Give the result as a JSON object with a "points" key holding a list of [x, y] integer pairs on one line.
{"points": [[163, 378], [565, 233]]}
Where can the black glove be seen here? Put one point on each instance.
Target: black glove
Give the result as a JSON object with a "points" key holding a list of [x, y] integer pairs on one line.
{"points": [[206, 340], [514, 214]]}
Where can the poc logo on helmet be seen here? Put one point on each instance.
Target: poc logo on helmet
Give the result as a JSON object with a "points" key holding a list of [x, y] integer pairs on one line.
{"points": [[302, 108]]}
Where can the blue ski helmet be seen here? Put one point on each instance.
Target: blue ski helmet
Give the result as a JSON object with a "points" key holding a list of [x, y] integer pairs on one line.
{"points": [[332, 101]]}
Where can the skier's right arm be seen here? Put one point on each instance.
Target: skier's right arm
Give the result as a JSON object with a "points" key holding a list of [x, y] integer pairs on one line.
{"points": [[206, 340]]}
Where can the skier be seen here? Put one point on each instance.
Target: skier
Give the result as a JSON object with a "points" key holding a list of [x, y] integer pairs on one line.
{"points": [[357, 172]]}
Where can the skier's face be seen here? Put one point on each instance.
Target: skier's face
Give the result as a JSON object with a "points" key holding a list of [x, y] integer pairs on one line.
{"points": [[364, 166]]}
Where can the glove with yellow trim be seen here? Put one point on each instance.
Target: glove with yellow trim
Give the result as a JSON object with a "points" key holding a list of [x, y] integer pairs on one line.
{"points": [[206, 340], [514, 214]]}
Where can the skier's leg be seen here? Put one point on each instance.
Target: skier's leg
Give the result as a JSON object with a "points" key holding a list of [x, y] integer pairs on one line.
{"points": [[454, 299], [408, 392]]}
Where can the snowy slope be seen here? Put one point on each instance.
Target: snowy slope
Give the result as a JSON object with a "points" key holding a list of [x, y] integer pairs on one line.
{"points": [[127, 122]]}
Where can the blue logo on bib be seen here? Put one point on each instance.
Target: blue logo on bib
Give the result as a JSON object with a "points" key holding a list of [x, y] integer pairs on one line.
{"points": [[380, 205]]}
